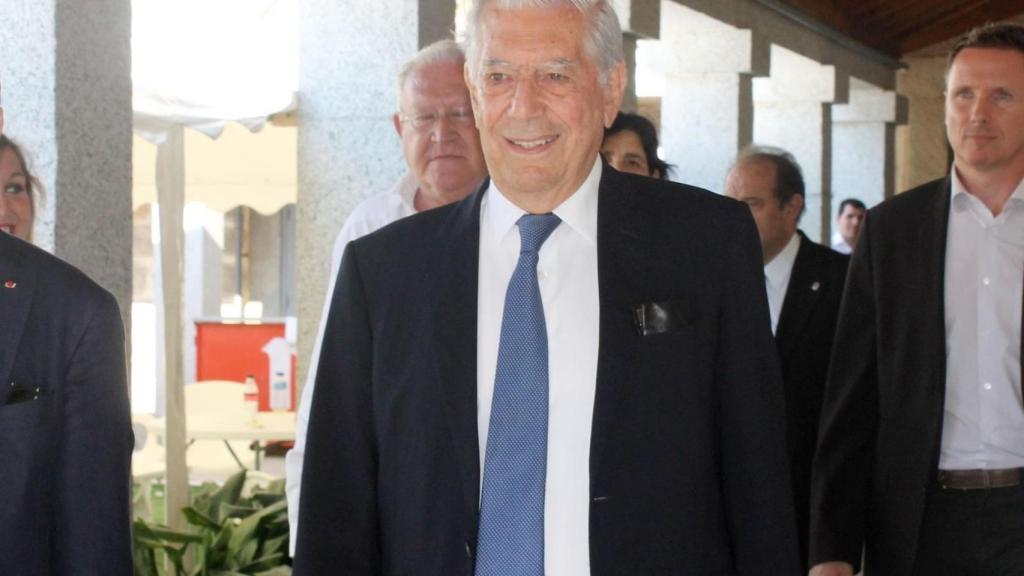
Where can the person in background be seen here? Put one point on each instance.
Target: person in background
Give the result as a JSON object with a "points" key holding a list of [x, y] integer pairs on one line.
{"points": [[17, 195], [631, 145], [441, 147], [65, 421], [804, 281], [849, 221], [569, 372], [919, 468]]}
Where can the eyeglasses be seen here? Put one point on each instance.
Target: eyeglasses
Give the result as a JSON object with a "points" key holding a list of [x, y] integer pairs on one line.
{"points": [[462, 116]]}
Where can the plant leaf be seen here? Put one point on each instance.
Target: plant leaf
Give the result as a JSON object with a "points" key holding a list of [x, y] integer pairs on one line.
{"points": [[197, 518]]}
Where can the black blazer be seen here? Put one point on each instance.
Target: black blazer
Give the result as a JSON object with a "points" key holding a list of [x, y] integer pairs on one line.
{"points": [[65, 424], [687, 462], [804, 335], [882, 415]]}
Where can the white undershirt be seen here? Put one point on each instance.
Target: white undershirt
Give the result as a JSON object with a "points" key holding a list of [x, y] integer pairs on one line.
{"points": [[567, 274], [776, 277], [983, 425]]}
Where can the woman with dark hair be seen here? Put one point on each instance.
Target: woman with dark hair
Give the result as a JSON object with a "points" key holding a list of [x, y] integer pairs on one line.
{"points": [[631, 145], [17, 205]]}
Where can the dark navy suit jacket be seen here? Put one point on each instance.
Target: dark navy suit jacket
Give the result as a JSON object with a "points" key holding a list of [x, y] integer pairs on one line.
{"points": [[65, 423], [804, 335], [688, 467]]}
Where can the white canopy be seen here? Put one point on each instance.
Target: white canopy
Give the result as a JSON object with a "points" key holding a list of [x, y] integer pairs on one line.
{"points": [[200, 64]]}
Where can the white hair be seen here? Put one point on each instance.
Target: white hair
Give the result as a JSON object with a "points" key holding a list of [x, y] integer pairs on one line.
{"points": [[603, 42], [440, 51]]}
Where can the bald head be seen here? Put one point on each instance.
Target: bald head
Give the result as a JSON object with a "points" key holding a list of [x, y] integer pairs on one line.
{"points": [[761, 180]]}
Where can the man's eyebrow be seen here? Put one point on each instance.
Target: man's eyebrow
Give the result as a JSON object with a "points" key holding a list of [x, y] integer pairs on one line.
{"points": [[556, 63], [495, 62]]}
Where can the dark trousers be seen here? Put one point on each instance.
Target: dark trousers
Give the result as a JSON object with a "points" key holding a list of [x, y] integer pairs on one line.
{"points": [[972, 533]]}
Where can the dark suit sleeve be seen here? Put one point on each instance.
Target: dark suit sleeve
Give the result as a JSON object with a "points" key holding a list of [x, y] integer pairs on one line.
{"points": [[755, 478], [92, 520], [849, 421], [339, 532]]}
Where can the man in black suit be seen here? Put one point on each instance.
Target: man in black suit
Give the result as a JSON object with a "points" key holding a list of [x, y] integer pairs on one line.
{"points": [[65, 427], [627, 356], [921, 449], [804, 281]]}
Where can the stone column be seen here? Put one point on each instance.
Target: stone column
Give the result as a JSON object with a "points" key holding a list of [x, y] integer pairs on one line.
{"points": [[863, 137], [706, 108], [348, 150], [793, 111], [66, 79], [922, 151], [639, 19]]}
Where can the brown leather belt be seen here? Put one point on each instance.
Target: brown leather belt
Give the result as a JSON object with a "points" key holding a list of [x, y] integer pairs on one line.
{"points": [[979, 479]]}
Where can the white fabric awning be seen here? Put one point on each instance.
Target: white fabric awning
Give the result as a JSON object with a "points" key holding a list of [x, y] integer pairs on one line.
{"points": [[201, 64], [237, 169]]}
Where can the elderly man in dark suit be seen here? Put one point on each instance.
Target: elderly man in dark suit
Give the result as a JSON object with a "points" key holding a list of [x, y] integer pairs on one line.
{"points": [[921, 452], [65, 428], [570, 372], [804, 281]]}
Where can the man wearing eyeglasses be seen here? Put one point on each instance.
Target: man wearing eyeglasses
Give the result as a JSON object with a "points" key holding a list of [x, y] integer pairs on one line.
{"points": [[441, 146]]}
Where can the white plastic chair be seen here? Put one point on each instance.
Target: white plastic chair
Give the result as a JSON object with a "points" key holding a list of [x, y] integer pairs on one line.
{"points": [[216, 459]]}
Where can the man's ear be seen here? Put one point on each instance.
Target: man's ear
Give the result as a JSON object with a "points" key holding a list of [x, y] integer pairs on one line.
{"points": [[397, 120], [614, 88], [795, 206]]}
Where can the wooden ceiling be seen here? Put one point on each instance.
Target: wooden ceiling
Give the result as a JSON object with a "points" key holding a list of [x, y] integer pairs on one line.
{"points": [[897, 27]]}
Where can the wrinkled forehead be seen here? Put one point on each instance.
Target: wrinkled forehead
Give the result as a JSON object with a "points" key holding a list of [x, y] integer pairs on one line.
{"points": [[548, 35], [435, 84]]}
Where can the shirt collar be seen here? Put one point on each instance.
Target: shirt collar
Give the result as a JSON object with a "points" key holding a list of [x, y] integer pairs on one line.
{"points": [[407, 186], [961, 197], [578, 211], [780, 267]]}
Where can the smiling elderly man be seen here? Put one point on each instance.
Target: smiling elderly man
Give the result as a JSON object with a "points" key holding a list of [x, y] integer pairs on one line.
{"points": [[570, 372]]}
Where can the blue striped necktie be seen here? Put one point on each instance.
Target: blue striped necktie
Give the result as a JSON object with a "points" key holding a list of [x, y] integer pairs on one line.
{"points": [[511, 537]]}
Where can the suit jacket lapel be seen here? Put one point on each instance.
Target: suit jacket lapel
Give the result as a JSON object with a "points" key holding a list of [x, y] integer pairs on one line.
{"points": [[802, 296], [621, 251], [932, 239], [17, 282], [455, 334]]}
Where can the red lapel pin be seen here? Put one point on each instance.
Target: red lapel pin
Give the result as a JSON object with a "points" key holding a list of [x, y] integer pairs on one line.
{"points": [[10, 284]]}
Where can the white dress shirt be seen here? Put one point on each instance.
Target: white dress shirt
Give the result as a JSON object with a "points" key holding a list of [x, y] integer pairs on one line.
{"points": [[370, 215], [839, 244], [776, 277], [983, 425], [567, 274]]}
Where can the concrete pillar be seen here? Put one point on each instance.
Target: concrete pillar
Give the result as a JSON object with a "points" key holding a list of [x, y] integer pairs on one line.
{"points": [[66, 78], [347, 148], [639, 19], [922, 153], [706, 108], [863, 138], [792, 110]]}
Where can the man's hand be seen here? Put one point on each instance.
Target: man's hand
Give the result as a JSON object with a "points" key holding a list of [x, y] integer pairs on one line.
{"points": [[832, 569]]}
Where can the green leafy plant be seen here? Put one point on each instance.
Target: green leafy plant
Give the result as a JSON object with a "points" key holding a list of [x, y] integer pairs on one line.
{"points": [[230, 534]]}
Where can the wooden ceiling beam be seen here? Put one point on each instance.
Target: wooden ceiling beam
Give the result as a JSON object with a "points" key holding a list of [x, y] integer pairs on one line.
{"points": [[958, 23]]}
